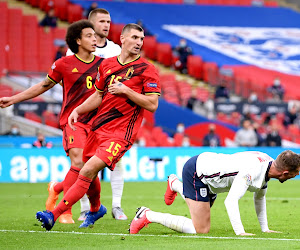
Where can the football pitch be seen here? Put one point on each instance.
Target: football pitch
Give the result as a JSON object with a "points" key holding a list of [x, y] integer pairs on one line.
{"points": [[20, 230]]}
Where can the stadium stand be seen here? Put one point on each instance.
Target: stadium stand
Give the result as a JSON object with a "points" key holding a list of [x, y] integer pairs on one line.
{"points": [[242, 81]]}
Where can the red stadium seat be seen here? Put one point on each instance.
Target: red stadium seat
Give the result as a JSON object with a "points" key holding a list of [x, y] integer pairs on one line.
{"points": [[271, 3], [45, 50], [30, 43], [61, 8], [50, 119], [195, 66], [74, 13], [115, 30], [245, 2], [150, 47], [15, 44], [5, 90], [3, 37], [164, 54], [33, 117], [34, 3], [210, 72], [46, 5]]}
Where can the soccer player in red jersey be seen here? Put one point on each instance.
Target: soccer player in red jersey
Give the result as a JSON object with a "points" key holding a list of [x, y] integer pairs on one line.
{"points": [[77, 74], [126, 85], [105, 48]]}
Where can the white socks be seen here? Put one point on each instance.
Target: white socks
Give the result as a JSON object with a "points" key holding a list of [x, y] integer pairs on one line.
{"points": [[117, 184], [175, 222], [178, 187], [85, 203]]}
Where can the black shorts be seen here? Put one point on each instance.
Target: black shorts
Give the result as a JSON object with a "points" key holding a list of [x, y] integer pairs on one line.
{"points": [[193, 187]]}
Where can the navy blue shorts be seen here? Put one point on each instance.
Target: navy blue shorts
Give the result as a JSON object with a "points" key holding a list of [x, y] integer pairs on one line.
{"points": [[193, 187]]}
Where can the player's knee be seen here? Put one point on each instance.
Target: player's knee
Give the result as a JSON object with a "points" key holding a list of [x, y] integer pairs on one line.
{"points": [[88, 172], [77, 162]]}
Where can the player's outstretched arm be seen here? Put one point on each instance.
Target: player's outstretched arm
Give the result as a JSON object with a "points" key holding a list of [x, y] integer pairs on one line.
{"points": [[148, 102], [27, 94], [237, 191], [261, 210], [88, 105]]}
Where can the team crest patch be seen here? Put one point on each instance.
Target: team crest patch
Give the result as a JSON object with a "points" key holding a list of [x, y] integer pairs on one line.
{"points": [[71, 139], [248, 179], [129, 73], [98, 76], [203, 192]]}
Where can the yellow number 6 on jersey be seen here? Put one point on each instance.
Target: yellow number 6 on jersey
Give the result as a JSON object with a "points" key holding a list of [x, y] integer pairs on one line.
{"points": [[89, 82]]}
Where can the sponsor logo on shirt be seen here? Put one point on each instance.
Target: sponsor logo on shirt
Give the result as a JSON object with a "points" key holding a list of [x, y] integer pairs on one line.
{"points": [[75, 70], [203, 192], [108, 71], [152, 85]]}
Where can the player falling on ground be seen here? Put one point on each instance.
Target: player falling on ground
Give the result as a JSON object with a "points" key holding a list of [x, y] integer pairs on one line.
{"points": [[206, 175], [126, 85], [105, 48], [78, 74]]}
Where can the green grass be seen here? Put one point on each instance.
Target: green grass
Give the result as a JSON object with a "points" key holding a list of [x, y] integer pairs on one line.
{"points": [[20, 230]]}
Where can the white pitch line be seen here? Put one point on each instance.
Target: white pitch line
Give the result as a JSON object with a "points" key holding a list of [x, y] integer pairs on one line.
{"points": [[149, 235]]}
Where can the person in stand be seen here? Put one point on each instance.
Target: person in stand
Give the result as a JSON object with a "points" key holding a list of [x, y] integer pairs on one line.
{"points": [[41, 142], [246, 136], [14, 131], [50, 20], [182, 51], [273, 138], [277, 89], [211, 139]]}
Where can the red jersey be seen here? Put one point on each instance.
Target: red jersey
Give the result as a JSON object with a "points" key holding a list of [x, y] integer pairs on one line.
{"points": [[118, 115], [78, 78]]}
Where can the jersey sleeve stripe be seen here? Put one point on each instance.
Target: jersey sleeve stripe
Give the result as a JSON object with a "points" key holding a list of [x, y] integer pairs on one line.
{"points": [[152, 93], [52, 80], [98, 89]]}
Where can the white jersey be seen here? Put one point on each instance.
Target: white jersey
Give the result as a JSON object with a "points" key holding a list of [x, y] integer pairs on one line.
{"points": [[218, 171], [110, 49], [235, 174]]}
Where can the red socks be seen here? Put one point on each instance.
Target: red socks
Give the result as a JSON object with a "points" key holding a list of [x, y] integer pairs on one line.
{"points": [[59, 187], [94, 194], [69, 180], [73, 195]]}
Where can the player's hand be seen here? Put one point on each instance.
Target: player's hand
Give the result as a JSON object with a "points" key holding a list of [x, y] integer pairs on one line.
{"points": [[246, 234], [6, 102], [272, 231], [72, 119], [117, 88]]}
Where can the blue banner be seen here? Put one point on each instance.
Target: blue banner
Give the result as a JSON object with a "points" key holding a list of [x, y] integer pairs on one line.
{"points": [[140, 164]]}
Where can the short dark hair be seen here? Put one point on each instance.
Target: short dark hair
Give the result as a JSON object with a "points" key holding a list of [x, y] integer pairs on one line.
{"points": [[130, 26], [74, 32], [287, 160], [96, 11]]}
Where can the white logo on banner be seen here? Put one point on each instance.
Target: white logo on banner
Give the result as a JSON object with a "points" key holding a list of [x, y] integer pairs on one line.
{"points": [[270, 48]]}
